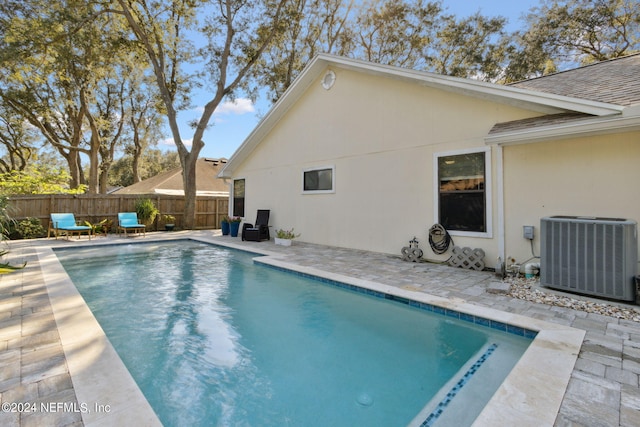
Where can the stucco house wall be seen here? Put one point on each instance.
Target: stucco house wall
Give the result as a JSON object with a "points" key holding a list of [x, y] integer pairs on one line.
{"points": [[380, 135], [381, 130], [589, 176]]}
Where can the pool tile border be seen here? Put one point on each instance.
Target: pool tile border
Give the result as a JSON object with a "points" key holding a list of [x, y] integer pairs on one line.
{"points": [[442, 405], [477, 320]]}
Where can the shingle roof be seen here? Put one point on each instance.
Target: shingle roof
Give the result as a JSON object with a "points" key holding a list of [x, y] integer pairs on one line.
{"points": [[616, 81], [171, 181], [548, 120]]}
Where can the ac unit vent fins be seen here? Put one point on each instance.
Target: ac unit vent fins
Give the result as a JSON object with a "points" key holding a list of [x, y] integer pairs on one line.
{"points": [[592, 256]]}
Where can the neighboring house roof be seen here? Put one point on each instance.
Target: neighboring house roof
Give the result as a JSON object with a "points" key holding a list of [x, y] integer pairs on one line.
{"points": [[170, 182], [565, 107]]}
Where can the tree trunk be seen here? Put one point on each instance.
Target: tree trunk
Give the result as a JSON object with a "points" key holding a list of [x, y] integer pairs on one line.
{"points": [[189, 180], [75, 171], [104, 180], [137, 152]]}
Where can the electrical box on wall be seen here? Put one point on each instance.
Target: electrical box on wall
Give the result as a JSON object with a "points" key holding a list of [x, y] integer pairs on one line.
{"points": [[527, 231]]}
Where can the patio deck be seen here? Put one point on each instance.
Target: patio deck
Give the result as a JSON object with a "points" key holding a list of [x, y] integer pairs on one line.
{"points": [[603, 389]]}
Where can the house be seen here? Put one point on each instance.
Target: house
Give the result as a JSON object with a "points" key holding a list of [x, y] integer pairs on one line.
{"points": [[367, 156], [170, 182]]}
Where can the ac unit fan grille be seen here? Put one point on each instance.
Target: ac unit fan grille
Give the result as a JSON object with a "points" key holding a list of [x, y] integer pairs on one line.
{"points": [[589, 256]]}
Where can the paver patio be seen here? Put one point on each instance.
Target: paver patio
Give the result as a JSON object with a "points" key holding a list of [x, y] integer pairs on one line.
{"points": [[603, 389]]}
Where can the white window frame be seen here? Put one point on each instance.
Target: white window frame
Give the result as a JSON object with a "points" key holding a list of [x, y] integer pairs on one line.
{"points": [[487, 188], [318, 168]]}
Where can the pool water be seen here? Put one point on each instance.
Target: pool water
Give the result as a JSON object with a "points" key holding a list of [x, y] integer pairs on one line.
{"points": [[212, 338]]}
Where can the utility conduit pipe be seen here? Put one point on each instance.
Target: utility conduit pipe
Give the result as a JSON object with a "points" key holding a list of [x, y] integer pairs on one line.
{"points": [[531, 269]]}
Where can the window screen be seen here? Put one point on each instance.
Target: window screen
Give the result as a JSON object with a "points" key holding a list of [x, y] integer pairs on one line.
{"points": [[462, 196], [318, 180]]}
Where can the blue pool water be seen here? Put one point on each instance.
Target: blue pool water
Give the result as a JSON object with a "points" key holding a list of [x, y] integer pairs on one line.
{"points": [[213, 339]]}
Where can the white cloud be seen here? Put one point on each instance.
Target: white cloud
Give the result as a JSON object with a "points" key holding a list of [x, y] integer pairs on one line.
{"points": [[237, 106], [170, 142]]}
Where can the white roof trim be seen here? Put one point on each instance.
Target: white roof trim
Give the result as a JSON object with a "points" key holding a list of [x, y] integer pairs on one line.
{"points": [[171, 192], [577, 128], [523, 98], [535, 100]]}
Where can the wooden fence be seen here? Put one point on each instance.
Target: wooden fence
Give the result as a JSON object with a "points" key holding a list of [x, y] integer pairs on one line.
{"points": [[96, 207]]}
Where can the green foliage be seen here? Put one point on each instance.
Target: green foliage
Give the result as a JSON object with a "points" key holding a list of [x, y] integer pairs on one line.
{"points": [[564, 33], [100, 227], [397, 33], [146, 210], [39, 179], [28, 228], [286, 234], [475, 46], [6, 220], [17, 139], [72, 73], [7, 268], [152, 162], [416, 34]]}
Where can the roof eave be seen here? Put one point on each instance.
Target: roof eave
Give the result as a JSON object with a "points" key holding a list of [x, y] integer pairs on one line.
{"points": [[597, 126], [275, 113], [535, 101]]}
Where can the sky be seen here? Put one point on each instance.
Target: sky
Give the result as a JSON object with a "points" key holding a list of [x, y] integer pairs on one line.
{"points": [[233, 121]]}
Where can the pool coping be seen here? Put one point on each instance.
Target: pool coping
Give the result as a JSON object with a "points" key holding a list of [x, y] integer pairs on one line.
{"points": [[99, 377], [531, 394]]}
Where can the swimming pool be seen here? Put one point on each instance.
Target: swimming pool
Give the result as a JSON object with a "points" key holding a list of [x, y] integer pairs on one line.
{"points": [[213, 364]]}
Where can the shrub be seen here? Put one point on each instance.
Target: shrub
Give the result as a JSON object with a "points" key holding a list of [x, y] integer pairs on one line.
{"points": [[146, 210], [286, 234], [6, 221], [28, 228]]}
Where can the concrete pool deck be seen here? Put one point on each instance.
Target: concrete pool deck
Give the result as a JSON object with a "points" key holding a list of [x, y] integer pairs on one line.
{"points": [[52, 355]]}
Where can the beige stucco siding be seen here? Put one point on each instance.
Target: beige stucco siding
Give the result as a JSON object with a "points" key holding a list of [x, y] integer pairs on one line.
{"points": [[594, 176], [380, 135]]}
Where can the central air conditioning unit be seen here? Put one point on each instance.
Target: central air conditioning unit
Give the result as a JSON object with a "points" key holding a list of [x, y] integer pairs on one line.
{"points": [[592, 256]]}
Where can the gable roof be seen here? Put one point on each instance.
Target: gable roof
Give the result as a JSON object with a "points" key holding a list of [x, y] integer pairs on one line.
{"points": [[544, 102], [170, 182]]}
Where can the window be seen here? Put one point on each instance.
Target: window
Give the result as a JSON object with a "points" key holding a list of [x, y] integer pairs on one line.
{"points": [[462, 199], [238, 197], [318, 180]]}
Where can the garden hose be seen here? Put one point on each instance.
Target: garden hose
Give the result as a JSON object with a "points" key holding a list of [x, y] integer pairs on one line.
{"points": [[439, 239]]}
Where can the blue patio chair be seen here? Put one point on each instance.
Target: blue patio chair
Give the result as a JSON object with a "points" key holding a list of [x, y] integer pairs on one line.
{"points": [[128, 221], [65, 224]]}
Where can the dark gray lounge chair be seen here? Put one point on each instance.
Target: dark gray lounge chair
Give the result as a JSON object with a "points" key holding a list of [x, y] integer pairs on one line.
{"points": [[259, 231]]}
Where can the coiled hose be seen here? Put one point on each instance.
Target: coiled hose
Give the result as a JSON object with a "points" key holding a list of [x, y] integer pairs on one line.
{"points": [[439, 239]]}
